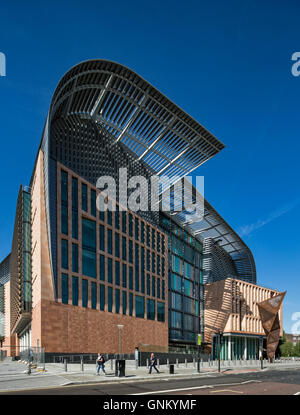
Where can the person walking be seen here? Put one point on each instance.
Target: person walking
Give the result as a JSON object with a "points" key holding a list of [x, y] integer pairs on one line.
{"points": [[153, 363], [100, 363]]}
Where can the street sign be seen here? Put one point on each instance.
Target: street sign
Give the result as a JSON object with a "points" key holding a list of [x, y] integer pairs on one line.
{"points": [[199, 339]]}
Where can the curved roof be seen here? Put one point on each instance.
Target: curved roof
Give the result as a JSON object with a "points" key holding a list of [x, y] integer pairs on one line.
{"points": [[160, 133]]}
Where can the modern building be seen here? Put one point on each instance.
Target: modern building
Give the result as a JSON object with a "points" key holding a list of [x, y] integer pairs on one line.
{"points": [[76, 272], [231, 307], [292, 338]]}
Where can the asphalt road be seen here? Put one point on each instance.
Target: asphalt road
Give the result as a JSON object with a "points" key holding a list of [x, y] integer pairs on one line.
{"points": [[271, 382]]}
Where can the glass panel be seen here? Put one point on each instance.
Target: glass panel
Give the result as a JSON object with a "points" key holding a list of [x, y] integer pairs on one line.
{"points": [[102, 297], [117, 245], [93, 202], [124, 275], [109, 270], [150, 309], [110, 299], [84, 293], [89, 266], [64, 288], [102, 268], [74, 257], [124, 302], [64, 254], [139, 306], [75, 290], [102, 238], [84, 197], [117, 273], [130, 304], [117, 299], [94, 295], [160, 311]]}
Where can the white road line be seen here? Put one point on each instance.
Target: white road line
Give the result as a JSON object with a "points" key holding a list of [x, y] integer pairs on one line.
{"points": [[196, 387]]}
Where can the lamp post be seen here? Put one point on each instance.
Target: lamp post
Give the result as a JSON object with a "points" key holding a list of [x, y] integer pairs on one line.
{"points": [[120, 327]]}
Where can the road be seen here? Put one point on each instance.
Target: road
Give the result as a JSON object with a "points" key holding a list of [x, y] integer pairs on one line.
{"points": [[270, 382]]}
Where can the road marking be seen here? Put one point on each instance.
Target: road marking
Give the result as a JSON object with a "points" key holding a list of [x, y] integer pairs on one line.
{"points": [[196, 387], [225, 390], [297, 393]]}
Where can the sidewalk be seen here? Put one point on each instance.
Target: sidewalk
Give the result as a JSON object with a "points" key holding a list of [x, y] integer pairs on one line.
{"points": [[13, 374]]}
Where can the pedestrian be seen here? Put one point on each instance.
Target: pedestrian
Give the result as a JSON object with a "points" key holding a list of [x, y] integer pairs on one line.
{"points": [[153, 363], [101, 363]]}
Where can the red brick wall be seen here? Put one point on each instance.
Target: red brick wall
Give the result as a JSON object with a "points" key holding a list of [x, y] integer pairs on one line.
{"points": [[72, 329]]}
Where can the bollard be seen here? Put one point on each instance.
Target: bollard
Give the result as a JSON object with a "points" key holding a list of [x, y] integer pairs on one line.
{"points": [[185, 362], [136, 364], [177, 363], [65, 362], [81, 363], [147, 363], [201, 362], [111, 364], [158, 363], [194, 362], [168, 363], [208, 362]]}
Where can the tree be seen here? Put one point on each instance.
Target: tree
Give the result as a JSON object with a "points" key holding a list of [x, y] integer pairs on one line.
{"points": [[297, 349], [287, 349]]}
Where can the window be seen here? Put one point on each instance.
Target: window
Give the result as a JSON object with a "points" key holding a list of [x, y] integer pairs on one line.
{"points": [[130, 304], [124, 275], [64, 202], [84, 293], [89, 248], [148, 284], [74, 208], [176, 282], [109, 270], [124, 302], [139, 306], [75, 290], [160, 311], [74, 257], [157, 242], [150, 309], [148, 260], [153, 239], [153, 262], [124, 248], [130, 252], [102, 297], [157, 264], [142, 232], [176, 301], [109, 217], [163, 290], [124, 227], [109, 241], [148, 235], [64, 288], [158, 288], [137, 268], [188, 288], [130, 224], [93, 202], [94, 295], [117, 245], [102, 238], [117, 300], [163, 267], [117, 217], [102, 267], [117, 273], [84, 198], [110, 299], [162, 244], [176, 320], [130, 278], [101, 207], [153, 286], [64, 254], [136, 229]]}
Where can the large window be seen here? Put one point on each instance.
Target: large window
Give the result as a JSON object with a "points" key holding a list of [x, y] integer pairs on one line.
{"points": [[137, 268], [102, 297], [74, 208], [74, 257], [75, 290], [124, 302], [93, 202], [139, 306], [64, 202], [102, 267], [109, 241], [89, 248], [124, 227], [109, 270], [153, 286], [130, 252], [136, 229], [130, 304], [102, 237], [110, 299], [124, 275], [130, 278], [65, 288], [117, 245], [124, 248], [117, 301], [84, 293], [176, 301], [160, 311], [176, 320], [130, 224], [117, 217], [84, 198], [64, 254], [94, 295], [150, 309], [117, 273], [142, 232]]}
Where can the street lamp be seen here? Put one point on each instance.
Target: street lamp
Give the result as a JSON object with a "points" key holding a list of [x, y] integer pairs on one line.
{"points": [[120, 327]]}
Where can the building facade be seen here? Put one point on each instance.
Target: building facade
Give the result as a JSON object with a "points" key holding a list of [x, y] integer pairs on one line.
{"points": [[77, 272], [231, 307]]}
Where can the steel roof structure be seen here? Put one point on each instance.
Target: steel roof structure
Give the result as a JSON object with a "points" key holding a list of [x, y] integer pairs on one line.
{"points": [[160, 133]]}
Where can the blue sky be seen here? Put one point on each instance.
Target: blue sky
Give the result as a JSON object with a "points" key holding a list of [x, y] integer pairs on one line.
{"points": [[228, 64]]}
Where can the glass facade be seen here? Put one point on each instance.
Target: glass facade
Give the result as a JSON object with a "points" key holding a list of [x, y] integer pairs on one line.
{"points": [[89, 248]]}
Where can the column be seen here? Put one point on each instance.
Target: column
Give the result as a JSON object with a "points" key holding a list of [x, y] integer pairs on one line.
{"points": [[229, 347]]}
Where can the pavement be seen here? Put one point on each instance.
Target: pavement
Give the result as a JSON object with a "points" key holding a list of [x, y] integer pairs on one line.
{"points": [[13, 376]]}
